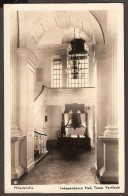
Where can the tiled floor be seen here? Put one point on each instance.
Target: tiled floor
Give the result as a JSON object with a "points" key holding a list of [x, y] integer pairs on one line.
{"points": [[60, 167]]}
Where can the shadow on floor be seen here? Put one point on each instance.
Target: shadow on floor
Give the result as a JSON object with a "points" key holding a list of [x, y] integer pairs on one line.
{"points": [[62, 167]]}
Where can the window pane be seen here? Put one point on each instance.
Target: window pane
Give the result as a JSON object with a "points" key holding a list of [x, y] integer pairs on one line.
{"points": [[57, 73], [82, 64]]}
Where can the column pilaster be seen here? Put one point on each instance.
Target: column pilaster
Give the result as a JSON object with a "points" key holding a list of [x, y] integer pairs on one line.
{"points": [[111, 130], [15, 131], [109, 172], [101, 106], [16, 169]]}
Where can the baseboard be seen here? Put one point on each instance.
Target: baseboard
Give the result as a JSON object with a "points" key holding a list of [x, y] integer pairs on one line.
{"points": [[30, 167], [108, 176], [41, 156], [53, 140], [17, 173]]}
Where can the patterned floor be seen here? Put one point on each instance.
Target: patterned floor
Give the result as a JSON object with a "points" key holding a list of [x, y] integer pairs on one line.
{"points": [[60, 167]]}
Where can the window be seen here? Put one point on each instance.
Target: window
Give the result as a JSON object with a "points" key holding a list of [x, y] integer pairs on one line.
{"points": [[83, 79], [57, 73]]}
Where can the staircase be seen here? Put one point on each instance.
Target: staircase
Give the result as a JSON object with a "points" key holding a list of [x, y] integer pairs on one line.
{"points": [[38, 101], [40, 138]]}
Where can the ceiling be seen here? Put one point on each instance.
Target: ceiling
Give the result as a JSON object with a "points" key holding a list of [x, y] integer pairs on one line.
{"points": [[57, 27]]}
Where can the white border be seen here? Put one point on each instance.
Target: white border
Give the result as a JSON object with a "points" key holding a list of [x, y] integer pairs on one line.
{"points": [[120, 63]]}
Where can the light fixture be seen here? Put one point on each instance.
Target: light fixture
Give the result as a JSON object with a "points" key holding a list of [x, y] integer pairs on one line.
{"points": [[76, 52]]}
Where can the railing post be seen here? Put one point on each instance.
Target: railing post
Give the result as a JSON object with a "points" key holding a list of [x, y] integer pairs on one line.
{"points": [[40, 142], [45, 139]]}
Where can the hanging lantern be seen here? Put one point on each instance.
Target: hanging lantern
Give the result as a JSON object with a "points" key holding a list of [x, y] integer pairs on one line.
{"points": [[76, 52]]}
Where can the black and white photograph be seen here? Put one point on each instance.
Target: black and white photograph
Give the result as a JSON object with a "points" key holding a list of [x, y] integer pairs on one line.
{"points": [[64, 98]]}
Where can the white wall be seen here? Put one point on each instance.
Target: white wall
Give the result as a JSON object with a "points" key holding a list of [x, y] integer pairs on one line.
{"points": [[46, 124], [91, 123], [54, 120], [39, 120]]}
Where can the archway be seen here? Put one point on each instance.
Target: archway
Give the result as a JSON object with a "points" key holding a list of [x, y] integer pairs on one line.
{"points": [[60, 24]]}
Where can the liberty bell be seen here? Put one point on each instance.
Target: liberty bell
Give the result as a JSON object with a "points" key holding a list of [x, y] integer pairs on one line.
{"points": [[74, 120]]}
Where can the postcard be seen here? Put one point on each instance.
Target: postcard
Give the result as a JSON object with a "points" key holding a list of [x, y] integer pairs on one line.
{"points": [[64, 98]]}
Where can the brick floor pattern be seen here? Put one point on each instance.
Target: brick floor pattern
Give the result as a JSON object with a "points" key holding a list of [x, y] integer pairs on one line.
{"points": [[60, 167]]}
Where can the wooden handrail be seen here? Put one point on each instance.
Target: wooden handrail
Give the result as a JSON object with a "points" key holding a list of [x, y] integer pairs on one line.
{"points": [[58, 88], [69, 87], [40, 133], [40, 92]]}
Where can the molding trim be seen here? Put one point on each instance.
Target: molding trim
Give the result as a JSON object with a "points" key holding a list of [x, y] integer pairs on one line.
{"points": [[17, 138], [30, 166], [53, 47], [17, 173], [100, 49], [108, 176], [25, 54], [62, 102], [108, 139], [111, 131]]}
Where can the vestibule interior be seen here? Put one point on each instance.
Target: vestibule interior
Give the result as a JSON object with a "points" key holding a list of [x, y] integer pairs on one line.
{"points": [[39, 104], [53, 120]]}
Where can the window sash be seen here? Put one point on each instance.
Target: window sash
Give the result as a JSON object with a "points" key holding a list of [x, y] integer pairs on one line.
{"points": [[83, 80], [56, 73]]}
